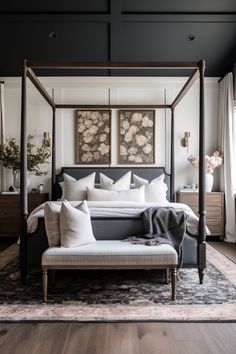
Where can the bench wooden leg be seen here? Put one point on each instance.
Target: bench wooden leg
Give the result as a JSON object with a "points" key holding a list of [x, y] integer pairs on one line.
{"points": [[173, 282], [45, 283]]}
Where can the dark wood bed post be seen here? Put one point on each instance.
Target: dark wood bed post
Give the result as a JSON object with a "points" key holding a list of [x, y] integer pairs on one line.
{"points": [[23, 178], [53, 182], [172, 159], [202, 212]]}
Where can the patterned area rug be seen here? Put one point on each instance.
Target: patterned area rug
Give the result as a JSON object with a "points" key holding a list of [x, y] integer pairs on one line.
{"points": [[115, 295]]}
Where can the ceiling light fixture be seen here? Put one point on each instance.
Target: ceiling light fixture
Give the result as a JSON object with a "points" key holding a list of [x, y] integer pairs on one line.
{"points": [[52, 35], [190, 37]]}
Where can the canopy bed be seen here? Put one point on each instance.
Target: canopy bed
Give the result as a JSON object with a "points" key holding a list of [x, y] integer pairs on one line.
{"points": [[33, 244]]}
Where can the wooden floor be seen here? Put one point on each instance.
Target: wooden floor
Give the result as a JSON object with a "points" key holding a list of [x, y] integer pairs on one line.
{"points": [[118, 338], [228, 249], [121, 338]]}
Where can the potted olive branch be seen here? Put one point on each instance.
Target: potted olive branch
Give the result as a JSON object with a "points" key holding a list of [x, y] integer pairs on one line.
{"points": [[36, 155]]}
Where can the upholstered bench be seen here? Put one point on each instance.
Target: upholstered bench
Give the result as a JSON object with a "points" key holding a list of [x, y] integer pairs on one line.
{"points": [[110, 255]]}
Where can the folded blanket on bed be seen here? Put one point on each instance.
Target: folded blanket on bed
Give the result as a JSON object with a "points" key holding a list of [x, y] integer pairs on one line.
{"points": [[162, 225]]}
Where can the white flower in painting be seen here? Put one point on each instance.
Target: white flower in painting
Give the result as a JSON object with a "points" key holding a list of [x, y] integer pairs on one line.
{"points": [[123, 150], [87, 136], [136, 117], [93, 129], [84, 114], [86, 132], [131, 158], [85, 147], [147, 149], [94, 115], [128, 137], [141, 140], [107, 129], [88, 139], [122, 131], [87, 157], [88, 123], [97, 155], [81, 128], [125, 125], [146, 122], [95, 121], [148, 135], [105, 116], [102, 138], [138, 159], [133, 129], [104, 149], [100, 124], [132, 150]]}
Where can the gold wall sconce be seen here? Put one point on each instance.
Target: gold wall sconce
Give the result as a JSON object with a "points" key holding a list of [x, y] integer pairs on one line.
{"points": [[46, 139], [185, 140]]}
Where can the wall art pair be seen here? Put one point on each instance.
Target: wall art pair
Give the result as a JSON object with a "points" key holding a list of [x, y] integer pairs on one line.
{"points": [[135, 136]]}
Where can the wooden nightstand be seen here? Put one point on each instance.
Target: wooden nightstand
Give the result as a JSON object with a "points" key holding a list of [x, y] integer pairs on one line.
{"points": [[10, 212], [214, 207]]}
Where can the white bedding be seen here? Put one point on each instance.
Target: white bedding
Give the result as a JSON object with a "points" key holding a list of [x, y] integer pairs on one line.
{"points": [[119, 209]]}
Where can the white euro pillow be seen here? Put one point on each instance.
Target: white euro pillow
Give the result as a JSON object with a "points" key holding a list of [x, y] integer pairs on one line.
{"points": [[52, 223], [76, 189], [122, 183], [62, 185], [130, 195], [155, 191], [75, 225]]}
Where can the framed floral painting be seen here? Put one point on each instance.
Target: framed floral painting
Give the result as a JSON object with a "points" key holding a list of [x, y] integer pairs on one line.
{"points": [[93, 137], [136, 137]]}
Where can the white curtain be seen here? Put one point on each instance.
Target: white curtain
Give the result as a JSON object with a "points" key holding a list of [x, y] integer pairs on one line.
{"points": [[227, 146], [2, 135]]}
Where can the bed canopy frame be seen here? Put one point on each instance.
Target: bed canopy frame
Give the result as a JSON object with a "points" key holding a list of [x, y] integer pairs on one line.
{"points": [[197, 68]]}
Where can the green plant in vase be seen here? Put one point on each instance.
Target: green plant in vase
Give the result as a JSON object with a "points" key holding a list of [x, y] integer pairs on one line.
{"points": [[36, 156]]}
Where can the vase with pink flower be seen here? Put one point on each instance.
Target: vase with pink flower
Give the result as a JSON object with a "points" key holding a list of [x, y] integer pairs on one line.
{"points": [[211, 163]]}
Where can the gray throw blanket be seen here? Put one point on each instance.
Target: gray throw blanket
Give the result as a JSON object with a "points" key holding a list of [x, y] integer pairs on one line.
{"points": [[162, 225]]}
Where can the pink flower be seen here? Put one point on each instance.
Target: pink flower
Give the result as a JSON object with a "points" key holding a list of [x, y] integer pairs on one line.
{"points": [[211, 162]]}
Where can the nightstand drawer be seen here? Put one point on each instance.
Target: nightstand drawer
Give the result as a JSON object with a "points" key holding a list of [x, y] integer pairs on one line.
{"points": [[213, 199], [214, 212], [215, 226], [191, 199]]}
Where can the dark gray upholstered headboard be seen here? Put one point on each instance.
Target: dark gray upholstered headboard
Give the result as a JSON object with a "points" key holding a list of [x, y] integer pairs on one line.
{"points": [[115, 173]]}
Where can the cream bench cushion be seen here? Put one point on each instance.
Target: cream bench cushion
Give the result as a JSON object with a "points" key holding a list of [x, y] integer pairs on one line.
{"points": [[110, 253]]}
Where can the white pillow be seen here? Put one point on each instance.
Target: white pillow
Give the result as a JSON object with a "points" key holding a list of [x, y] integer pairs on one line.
{"points": [[155, 191], [75, 225], [76, 189], [62, 185], [52, 224], [122, 184], [131, 195]]}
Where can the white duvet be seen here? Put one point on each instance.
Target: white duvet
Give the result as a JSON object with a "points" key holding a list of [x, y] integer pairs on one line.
{"points": [[119, 209]]}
